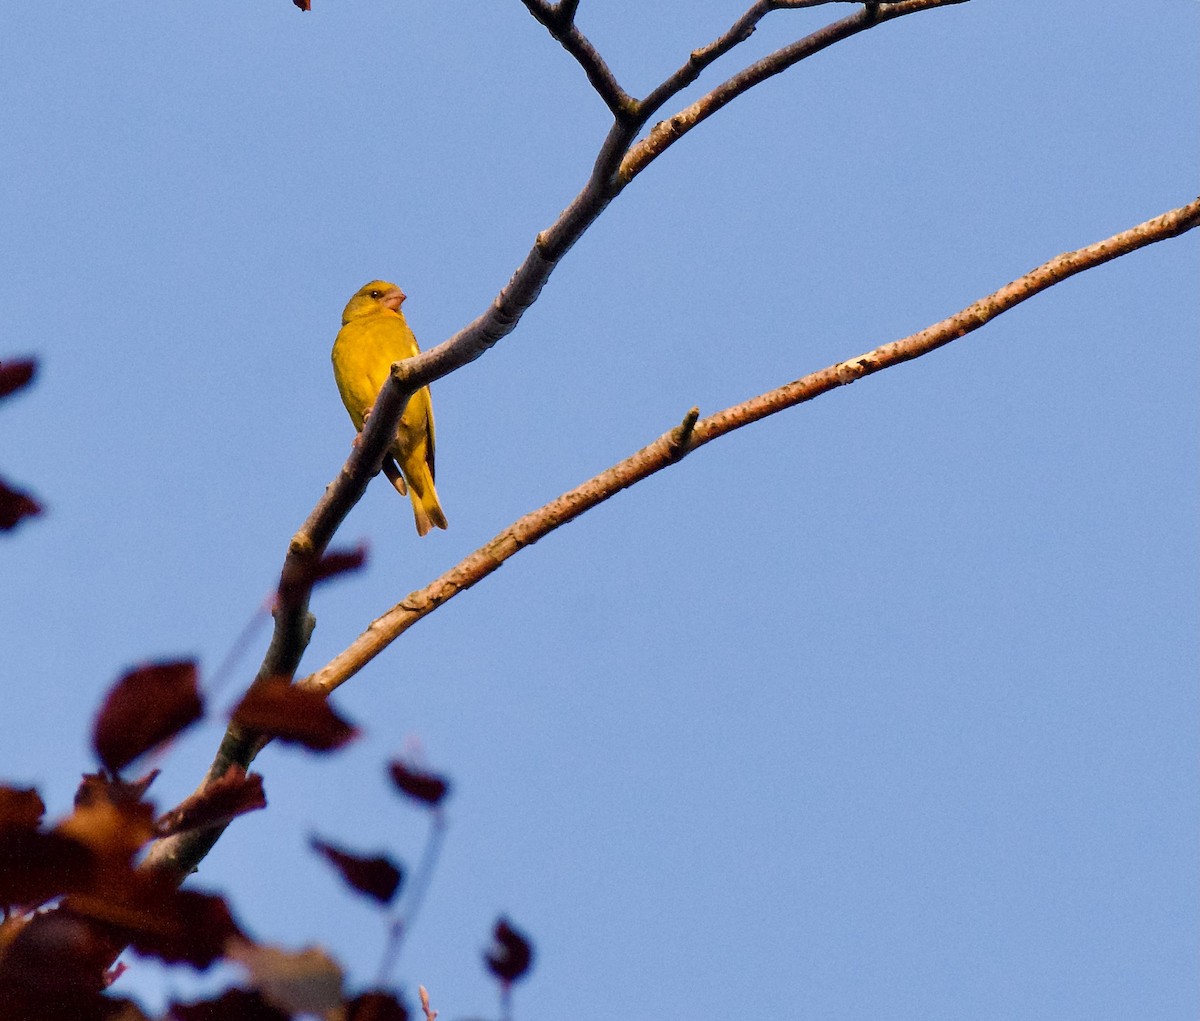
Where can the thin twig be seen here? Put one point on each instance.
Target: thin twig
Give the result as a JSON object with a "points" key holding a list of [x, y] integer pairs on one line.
{"points": [[667, 132], [741, 30], [666, 450], [403, 920], [559, 21], [180, 854], [429, 1012], [551, 244]]}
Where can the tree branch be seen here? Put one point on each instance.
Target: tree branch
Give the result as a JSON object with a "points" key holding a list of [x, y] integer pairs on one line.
{"points": [[293, 623], [559, 20], [699, 59], [609, 177], [673, 446], [665, 133]]}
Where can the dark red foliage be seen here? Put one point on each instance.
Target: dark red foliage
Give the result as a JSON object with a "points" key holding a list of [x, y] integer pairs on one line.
{"points": [[231, 1005], [281, 710], [145, 911], [304, 5], [376, 877], [511, 953], [337, 562], [16, 374], [232, 795], [144, 708], [53, 970], [36, 866], [20, 807], [97, 787], [300, 576], [112, 824], [376, 1005], [15, 506], [202, 925], [428, 788]]}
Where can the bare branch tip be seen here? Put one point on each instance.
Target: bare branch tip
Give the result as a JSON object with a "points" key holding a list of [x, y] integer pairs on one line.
{"points": [[681, 435], [429, 1012]]}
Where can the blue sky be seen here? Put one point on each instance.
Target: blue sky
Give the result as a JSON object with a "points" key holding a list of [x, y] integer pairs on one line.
{"points": [[883, 708]]}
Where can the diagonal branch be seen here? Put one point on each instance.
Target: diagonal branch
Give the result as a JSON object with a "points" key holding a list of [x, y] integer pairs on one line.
{"points": [[293, 623], [699, 59], [608, 178], [559, 20], [692, 433], [667, 132]]}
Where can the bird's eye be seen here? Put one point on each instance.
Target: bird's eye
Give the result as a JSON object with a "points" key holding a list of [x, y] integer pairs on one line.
{"points": [[376, 294]]}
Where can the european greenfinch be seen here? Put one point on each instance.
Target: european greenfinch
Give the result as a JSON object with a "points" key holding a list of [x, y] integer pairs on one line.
{"points": [[373, 336]]}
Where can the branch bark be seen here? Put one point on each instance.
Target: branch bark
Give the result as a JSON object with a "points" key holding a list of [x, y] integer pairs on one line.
{"points": [[741, 30], [559, 20], [667, 132], [610, 174], [694, 432]]}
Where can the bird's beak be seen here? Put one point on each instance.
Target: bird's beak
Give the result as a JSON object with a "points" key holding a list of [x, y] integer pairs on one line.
{"points": [[393, 299]]}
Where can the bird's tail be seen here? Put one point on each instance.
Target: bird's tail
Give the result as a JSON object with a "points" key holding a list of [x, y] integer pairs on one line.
{"points": [[426, 508]]}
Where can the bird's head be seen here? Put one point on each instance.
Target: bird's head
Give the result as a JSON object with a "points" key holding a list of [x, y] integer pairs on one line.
{"points": [[377, 296]]}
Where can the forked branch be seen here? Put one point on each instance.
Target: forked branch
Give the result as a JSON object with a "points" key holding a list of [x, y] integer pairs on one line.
{"points": [[672, 446], [618, 161], [667, 132], [559, 20], [741, 30]]}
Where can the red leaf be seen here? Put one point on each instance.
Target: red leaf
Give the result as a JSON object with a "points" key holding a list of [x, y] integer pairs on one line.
{"points": [[16, 374], [292, 714], [377, 877], [36, 866], [53, 970], [425, 787], [337, 562], [15, 506], [511, 953], [115, 830], [206, 924], [376, 1005], [231, 1005], [20, 807], [302, 576], [143, 709], [234, 794], [304, 5], [94, 787], [146, 911]]}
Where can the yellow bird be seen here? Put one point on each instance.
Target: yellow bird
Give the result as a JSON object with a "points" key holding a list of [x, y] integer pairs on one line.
{"points": [[373, 336]]}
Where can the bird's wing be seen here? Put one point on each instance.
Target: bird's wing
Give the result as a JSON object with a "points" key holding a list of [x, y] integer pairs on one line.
{"points": [[429, 431]]}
